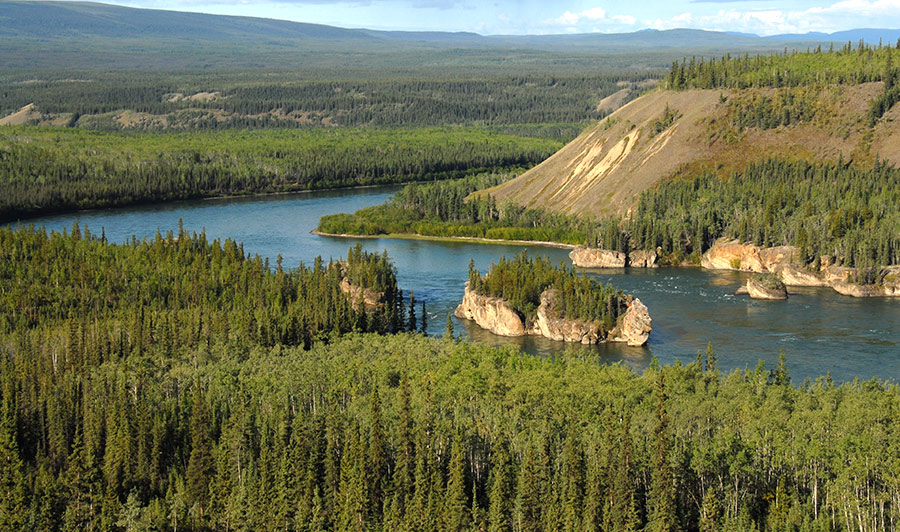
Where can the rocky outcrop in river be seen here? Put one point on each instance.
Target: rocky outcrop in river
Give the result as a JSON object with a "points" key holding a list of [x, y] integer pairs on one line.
{"points": [[782, 261], [549, 324], [585, 257], [634, 327], [757, 289], [496, 315], [491, 313]]}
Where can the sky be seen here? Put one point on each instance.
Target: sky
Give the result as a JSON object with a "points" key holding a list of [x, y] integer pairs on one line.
{"points": [[491, 17]]}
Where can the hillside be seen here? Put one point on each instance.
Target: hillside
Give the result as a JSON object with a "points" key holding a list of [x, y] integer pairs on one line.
{"points": [[603, 170], [86, 35]]}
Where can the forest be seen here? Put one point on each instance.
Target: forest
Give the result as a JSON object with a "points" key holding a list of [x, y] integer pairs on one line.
{"points": [[848, 65], [446, 209], [45, 170], [521, 281], [838, 211], [228, 100], [141, 388], [178, 291]]}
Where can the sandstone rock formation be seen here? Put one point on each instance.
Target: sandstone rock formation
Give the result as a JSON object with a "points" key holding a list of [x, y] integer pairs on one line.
{"points": [[491, 313], [369, 298], [585, 257], [642, 259], [497, 316], [548, 324], [732, 255], [634, 327], [796, 275], [761, 290], [782, 261]]}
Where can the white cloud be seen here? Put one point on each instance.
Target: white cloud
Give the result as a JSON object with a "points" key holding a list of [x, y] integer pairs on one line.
{"points": [[834, 17], [628, 20], [595, 13], [589, 16]]}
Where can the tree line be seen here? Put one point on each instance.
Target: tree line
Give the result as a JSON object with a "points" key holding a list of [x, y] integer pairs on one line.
{"points": [[177, 292], [841, 212], [242, 101], [449, 208], [847, 65], [45, 170]]}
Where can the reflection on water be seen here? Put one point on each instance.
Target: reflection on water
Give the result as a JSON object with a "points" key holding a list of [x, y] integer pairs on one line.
{"points": [[819, 330]]}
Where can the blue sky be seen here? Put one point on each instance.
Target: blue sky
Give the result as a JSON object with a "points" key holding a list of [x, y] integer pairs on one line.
{"points": [[765, 17]]}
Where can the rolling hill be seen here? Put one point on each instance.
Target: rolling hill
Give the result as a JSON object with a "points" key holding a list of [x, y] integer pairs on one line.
{"points": [[603, 171], [47, 35]]}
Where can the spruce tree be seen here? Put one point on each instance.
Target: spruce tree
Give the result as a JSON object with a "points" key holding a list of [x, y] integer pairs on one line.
{"points": [[572, 481], [81, 490], [376, 468], [662, 498], [12, 481], [404, 468], [501, 493], [448, 331], [528, 493], [456, 509], [201, 467]]}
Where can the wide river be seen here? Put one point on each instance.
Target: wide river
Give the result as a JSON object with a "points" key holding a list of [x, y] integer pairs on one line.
{"points": [[819, 330]]}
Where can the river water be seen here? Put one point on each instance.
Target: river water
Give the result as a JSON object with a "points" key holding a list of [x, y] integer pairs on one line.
{"points": [[820, 331]]}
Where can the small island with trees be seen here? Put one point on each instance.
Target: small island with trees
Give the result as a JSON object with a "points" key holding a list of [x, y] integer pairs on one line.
{"points": [[530, 296]]}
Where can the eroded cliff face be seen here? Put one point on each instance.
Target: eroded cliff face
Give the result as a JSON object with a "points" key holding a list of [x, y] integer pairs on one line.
{"points": [[782, 261], [548, 324], [643, 259], [634, 326], [585, 257], [497, 316], [491, 313]]}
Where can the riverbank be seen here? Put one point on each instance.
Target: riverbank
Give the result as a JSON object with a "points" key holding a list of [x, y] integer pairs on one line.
{"points": [[466, 239]]}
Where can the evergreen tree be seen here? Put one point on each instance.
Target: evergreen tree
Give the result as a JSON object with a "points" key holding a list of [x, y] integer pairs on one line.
{"points": [[501, 493], [13, 507], [662, 498], [404, 466], [448, 331], [780, 374], [528, 492], [456, 506], [200, 464], [81, 490], [377, 459]]}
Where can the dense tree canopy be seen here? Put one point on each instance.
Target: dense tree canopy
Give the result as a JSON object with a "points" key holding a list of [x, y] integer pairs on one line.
{"points": [[107, 424], [446, 209], [52, 169]]}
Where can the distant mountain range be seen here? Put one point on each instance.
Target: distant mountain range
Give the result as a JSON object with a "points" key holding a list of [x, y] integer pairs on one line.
{"points": [[81, 34]]}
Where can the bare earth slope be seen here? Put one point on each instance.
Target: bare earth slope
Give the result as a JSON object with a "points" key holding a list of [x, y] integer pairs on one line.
{"points": [[604, 170]]}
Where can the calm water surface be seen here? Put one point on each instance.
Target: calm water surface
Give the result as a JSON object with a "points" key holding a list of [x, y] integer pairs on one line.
{"points": [[819, 330]]}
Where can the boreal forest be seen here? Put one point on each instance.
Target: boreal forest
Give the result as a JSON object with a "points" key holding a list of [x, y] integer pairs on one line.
{"points": [[169, 384], [178, 382]]}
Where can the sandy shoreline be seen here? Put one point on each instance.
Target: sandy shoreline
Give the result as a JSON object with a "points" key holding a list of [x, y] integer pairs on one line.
{"points": [[468, 239]]}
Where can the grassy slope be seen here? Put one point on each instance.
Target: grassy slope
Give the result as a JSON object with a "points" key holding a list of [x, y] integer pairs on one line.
{"points": [[603, 170]]}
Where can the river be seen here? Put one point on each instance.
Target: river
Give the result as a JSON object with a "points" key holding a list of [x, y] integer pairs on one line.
{"points": [[820, 331]]}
